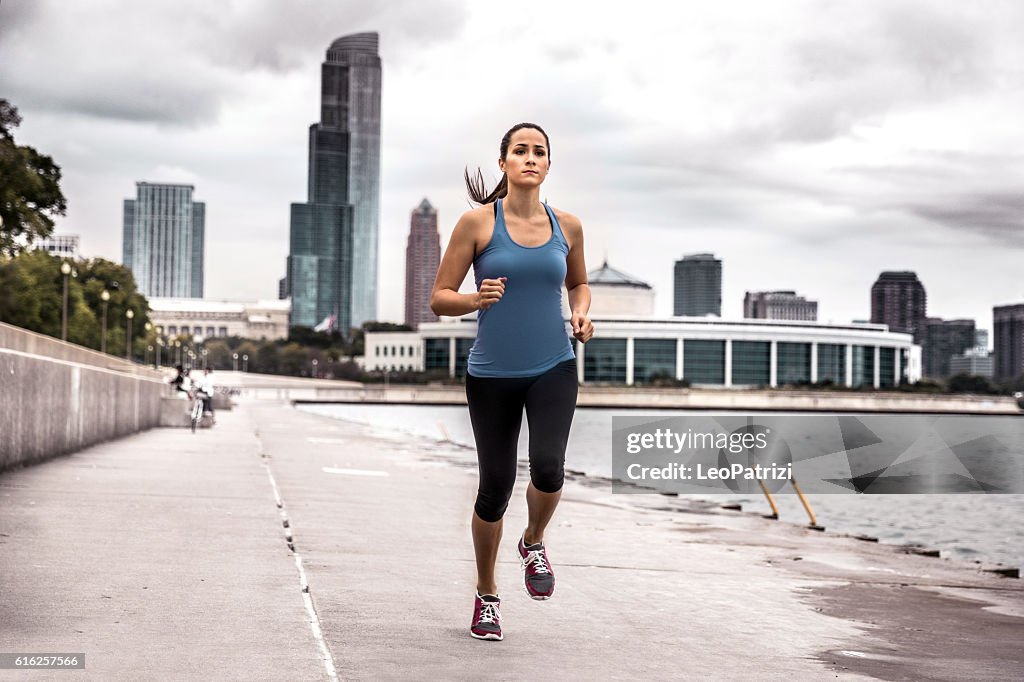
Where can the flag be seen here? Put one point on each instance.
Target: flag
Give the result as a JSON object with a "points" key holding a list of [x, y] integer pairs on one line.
{"points": [[327, 325]]}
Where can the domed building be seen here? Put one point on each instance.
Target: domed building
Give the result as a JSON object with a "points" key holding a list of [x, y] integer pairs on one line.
{"points": [[613, 292]]}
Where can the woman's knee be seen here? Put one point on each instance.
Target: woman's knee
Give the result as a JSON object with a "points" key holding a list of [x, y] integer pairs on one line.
{"points": [[491, 504], [548, 477]]}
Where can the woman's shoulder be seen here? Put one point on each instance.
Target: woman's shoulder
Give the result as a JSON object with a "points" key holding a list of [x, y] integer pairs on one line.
{"points": [[571, 225]]}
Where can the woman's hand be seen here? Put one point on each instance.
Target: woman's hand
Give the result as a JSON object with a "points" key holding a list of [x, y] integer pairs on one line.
{"points": [[491, 291], [582, 328]]}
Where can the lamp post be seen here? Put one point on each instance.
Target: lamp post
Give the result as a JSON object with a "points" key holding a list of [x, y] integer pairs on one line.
{"points": [[65, 269], [245, 363], [105, 297], [204, 358], [177, 351], [234, 362], [159, 343], [315, 363], [128, 339]]}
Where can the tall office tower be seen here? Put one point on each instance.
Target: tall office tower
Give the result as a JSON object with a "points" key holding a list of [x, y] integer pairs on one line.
{"points": [[779, 305], [898, 299], [422, 256], [940, 341], [1008, 323], [164, 240], [981, 338], [697, 285], [332, 262]]}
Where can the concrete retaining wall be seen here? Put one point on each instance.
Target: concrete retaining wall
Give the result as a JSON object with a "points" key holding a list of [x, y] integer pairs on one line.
{"points": [[57, 398]]}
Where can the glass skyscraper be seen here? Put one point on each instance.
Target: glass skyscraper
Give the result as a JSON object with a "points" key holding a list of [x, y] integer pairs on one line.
{"points": [[697, 285], [332, 262], [163, 242]]}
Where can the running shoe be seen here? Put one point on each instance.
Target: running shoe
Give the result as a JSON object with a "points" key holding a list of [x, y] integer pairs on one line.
{"points": [[537, 573], [486, 617]]}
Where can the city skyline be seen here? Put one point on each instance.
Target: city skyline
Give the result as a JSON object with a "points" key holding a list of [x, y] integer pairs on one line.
{"points": [[815, 182]]}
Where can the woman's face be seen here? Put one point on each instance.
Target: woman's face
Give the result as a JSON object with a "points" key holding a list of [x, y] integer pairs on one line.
{"points": [[526, 161]]}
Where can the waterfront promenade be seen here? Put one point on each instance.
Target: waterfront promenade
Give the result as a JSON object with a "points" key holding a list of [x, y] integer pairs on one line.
{"points": [[281, 545]]}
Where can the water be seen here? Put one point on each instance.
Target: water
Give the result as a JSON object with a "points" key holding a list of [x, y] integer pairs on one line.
{"points": [[988, 528]]}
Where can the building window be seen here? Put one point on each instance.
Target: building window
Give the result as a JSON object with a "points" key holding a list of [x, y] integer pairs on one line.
{"points": [[704, 361], [652, 357], [210, 331], [172, 330], [436, 354], [376, 351], [832, 363], [462, 347], [793, 363], [197, 331], [401, 351], [223, 331], [863, 366], [605, 361], [904, 361], [751, 363], [886, 367]]}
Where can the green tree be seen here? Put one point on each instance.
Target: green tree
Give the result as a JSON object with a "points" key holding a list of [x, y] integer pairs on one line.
{"points": [[293, 360], [30, 195], [266, 358], [218, 354]]}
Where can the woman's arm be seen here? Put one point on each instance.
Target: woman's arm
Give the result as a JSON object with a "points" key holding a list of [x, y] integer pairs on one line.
{"points": [[576, 280], [445, 298]]}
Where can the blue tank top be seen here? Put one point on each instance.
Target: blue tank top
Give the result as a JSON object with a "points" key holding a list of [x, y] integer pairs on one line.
{"points": [[523, 334]]}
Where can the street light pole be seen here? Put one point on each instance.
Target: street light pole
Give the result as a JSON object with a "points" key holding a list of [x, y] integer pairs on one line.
{"points": [[105, 297], [245, 363], [65, 269], [128, 339], [234, 362], [315, 363]]}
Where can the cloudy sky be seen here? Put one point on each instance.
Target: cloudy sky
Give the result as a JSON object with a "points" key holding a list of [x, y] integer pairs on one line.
{"points": [[810, 145]]}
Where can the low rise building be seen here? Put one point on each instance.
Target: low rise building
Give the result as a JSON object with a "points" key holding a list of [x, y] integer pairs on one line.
{"points": [[210, 319]]}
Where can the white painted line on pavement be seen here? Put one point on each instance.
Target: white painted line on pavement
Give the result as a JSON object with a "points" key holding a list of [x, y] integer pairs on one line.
{"points": [[355, 472]]}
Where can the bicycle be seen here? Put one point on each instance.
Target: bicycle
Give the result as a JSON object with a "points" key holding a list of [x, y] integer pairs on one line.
{"points": [[197, 408]]}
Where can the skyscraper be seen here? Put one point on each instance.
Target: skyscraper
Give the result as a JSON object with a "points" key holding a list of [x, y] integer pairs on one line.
{"points": [[422, 256], [940, 341], [697, 285], [164, 241], [1008, 323], [332, 262], [898, 299], [779, 305]]}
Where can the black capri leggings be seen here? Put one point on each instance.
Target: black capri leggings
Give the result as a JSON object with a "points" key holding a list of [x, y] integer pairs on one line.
{"points": [[496, 410]]}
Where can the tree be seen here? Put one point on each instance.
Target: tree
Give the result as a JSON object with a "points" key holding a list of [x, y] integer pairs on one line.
{"points": [[293, 360], [968, 383], [30, 195]]}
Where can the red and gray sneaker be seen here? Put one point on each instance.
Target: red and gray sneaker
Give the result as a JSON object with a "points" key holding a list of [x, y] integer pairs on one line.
{"points": [[486, 617], [537, 573]]}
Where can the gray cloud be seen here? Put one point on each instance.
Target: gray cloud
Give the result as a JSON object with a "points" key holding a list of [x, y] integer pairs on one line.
{"points": [[176, 63], [997, 215]]}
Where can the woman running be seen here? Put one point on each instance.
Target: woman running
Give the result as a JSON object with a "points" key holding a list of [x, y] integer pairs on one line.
{"points": [[521, 251]]}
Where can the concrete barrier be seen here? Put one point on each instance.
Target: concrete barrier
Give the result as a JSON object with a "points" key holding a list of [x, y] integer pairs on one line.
{"points": [[57, 397]]}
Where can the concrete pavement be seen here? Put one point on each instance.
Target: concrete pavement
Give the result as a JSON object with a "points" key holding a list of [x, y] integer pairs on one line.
{"points": [[165, 556]]}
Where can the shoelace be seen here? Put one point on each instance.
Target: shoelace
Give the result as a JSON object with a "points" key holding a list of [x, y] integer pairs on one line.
{"points": [[536, 557], [489, 612]]}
